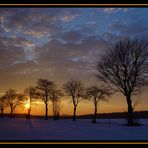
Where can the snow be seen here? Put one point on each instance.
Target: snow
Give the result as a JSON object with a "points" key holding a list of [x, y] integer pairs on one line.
{"points": [[66, 129]]}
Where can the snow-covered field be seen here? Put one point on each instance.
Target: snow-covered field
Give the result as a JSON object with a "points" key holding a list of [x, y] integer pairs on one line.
{"points": [[66, 129]]}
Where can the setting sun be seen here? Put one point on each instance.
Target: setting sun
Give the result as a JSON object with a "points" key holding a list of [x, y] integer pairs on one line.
{"points": [[27, 105]]}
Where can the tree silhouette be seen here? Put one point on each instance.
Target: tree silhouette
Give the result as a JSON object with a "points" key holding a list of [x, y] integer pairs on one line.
{"points": [[45, 88], [75, 89], [30, 98], [97, 94], [3, 104], [125, 67], [55, 97], [12, 99]]}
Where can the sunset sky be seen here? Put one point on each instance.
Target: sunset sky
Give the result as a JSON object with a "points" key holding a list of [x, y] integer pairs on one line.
{"points": [[63, 43]]}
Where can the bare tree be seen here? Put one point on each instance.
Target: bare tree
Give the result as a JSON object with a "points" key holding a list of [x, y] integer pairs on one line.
{"points": [[13, 100], [45, 87], [30, 98], [75, 89], [3, 105], [97, 94], [55, 97], [125, 67]]}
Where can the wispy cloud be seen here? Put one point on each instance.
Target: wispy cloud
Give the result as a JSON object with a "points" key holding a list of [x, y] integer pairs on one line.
{"points": [[114, 10], [68, 18]]}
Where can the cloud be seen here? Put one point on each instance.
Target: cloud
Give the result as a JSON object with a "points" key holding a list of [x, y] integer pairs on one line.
{"points": [[75, 35], [113, 37], [68, 18], [114, 10], [10, 51], [70, 58], [72, 36], [58, 43], [134, 28], [91, 22], [14, 50], [36, 22], [29, 21]]}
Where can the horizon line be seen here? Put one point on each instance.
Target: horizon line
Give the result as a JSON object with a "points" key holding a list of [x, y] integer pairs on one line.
{"points": [[120, 112]]}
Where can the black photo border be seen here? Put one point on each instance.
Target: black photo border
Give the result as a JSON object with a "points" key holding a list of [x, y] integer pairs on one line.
{"points": [[77, 4]]}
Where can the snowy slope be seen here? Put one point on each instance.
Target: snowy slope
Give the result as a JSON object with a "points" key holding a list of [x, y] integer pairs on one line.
{"points": [[66, 129]]}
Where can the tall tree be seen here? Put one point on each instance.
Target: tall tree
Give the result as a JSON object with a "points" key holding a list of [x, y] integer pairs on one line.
{"points": [[55, 97], [30, 98], [125, 67], [13, 100], [97, 94], [75, 89], [3, 104], [45, 87]]}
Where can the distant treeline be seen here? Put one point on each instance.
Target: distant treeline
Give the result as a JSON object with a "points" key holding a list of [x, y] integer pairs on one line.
{"points": [[137, 114]]}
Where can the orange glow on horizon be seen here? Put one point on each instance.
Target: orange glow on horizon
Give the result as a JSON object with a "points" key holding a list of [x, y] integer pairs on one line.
{"points": [[116, 103]]}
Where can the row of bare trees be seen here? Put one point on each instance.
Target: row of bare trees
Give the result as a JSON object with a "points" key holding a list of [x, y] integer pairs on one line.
{"points": [[77, 92], [46, 91], [122, 68]]}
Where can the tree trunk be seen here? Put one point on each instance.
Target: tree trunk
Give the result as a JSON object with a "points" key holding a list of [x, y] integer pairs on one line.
{"points": [[95, 114], [74, 113], [46, 111], [2, 112], [11, 114], [28, 115], [130, 111], [53, 103]]}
